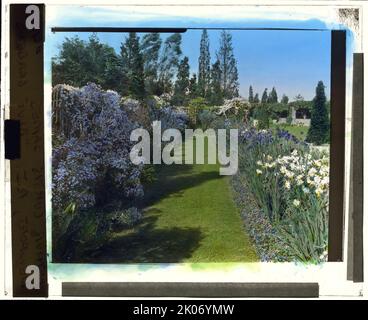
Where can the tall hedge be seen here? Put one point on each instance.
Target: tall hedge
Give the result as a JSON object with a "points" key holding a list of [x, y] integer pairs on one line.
{"points": [[319, 129]]}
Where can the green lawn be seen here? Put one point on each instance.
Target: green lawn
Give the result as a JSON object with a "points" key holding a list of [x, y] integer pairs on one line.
{"points": [[189, 216], [300, 132]]}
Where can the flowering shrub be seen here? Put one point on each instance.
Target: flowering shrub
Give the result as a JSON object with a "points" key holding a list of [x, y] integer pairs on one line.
{"points": [[290, 185], [303, 184], [234, 106], [206, 119], [170, 117], [136, 111], [91, 149]]}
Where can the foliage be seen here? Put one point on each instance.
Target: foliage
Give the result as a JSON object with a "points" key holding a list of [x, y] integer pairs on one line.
{"points": [[90, 164], [262, 114], [264, 96], [256, 98], [289, 118], [228, 66], [181, 90], [132, 62], [290, 184], [264, 234], [204, 65], [150, 47], [299, 131], [284, 99], [235, 106], [272, 98], [195, 106], [216, 93], [206, 119], [170, 117], [137, 111], [251, 96], [169, 62], [79, 62], [302, 181], [193, 87], [124, 219], [320, 124]]}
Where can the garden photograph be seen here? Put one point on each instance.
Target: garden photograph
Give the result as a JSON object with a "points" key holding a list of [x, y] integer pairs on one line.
{"points": [[269, 87]]}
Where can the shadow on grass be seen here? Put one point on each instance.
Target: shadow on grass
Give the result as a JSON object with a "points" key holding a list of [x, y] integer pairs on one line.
{"points": [[147, 244], [174, 180]]}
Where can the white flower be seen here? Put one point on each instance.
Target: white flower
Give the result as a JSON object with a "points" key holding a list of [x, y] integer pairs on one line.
{"points": [[295, 152], [259, 163], [306, 190], [296, 203], [312, 172], [287, 184], [317, 180], [290, 174], [258, 172], [283, 170]]}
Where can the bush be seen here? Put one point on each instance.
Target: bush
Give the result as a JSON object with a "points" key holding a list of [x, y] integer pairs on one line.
{"points": [[262, 114], [170, 117], [319, 129], [125, 219], [90, 160], [290, 185], [195, 106], [206, 118], [136, 111]]}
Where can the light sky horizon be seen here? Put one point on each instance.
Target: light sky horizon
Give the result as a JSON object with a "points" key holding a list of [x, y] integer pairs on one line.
{"points": [[291, 61]]}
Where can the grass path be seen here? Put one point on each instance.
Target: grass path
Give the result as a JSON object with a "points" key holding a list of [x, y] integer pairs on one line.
{"points": [[199, 203], [189, 216]]}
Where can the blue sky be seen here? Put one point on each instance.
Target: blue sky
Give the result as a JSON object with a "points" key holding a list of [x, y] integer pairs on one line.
{"points": [[291, 61]]}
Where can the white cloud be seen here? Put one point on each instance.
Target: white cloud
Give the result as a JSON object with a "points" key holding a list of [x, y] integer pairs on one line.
{"points": [[105, 14]]}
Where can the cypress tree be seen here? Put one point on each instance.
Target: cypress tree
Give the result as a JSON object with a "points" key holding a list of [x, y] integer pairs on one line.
{"points": [[264, 96], [193, 87], [132, 62], [169, 61], [284, 99], [216, 97], [319, 129], [204, 67], [150, 47], [228, 66], [251, 97], [256, 98], [272, 98], [181, 89]]}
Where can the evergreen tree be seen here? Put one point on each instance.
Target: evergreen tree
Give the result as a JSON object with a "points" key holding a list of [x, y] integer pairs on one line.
{"points": [[319, 129], [299, 97], [80, 62], [150, 47], [272, 98], [284, 99], [216, 96], [228, 66], [169, 62], [264, 96], [251, 97], [193, 86], [204, 65], [256, 98], [132, 62], [182, 83]]}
